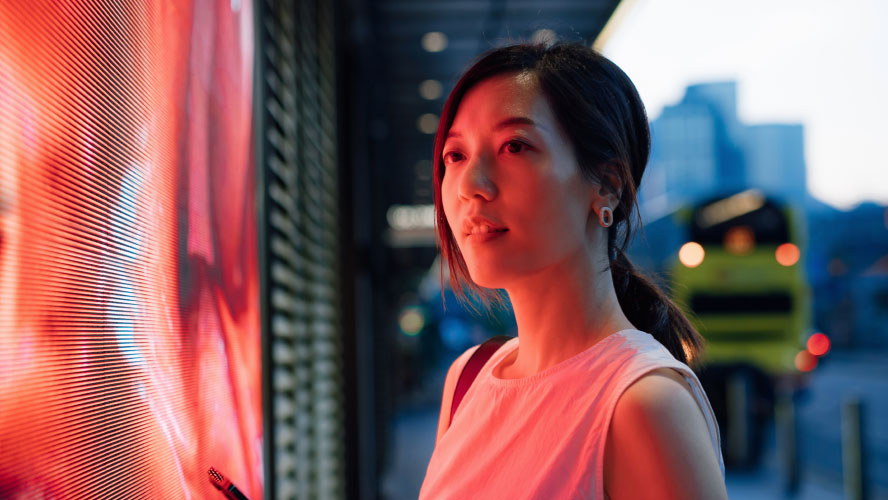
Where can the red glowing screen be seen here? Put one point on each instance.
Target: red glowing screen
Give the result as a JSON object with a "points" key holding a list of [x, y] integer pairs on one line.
{"points": [[129, 314]]}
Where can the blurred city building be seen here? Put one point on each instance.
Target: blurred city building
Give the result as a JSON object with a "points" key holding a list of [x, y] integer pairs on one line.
{"points": [[774, 159], [700, 149]]}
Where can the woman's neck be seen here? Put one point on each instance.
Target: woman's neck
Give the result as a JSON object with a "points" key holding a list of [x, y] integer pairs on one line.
{"points": [[560, 312]]}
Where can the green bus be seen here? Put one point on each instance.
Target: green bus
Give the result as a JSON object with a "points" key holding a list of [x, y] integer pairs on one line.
{"points": [[740, 278]]}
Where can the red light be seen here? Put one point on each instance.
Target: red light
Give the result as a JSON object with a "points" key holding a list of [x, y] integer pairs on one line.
{"points": [[805, 361], [739, 240], [787, 254], [818, 344]]}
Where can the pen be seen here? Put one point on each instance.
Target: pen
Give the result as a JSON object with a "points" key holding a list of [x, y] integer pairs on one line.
{"points": [[225, 486]]}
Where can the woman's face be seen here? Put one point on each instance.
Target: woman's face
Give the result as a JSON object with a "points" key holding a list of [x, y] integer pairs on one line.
{"points": [[512, 191]]}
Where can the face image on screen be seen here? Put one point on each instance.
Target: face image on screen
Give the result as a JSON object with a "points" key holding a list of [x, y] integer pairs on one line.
{"points": [[129, 302]]}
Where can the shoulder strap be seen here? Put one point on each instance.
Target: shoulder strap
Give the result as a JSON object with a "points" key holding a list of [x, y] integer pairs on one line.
{"points": [[473, 367]]}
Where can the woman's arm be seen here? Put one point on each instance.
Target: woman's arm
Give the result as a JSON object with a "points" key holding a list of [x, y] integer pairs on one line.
{"points": [[658, 445]]}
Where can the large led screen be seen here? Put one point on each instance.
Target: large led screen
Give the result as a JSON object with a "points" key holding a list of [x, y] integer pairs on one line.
{"points": [[129, 310]]}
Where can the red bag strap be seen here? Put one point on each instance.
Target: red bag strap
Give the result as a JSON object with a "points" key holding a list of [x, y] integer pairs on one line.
{"points": [[473, 367]]}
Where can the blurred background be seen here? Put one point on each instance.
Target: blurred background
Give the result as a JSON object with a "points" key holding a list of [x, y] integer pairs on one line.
{"points": [[764, 212], [216, 228]]}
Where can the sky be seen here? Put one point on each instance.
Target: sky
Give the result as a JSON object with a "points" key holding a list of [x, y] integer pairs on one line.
{"points": [[822, 63]]}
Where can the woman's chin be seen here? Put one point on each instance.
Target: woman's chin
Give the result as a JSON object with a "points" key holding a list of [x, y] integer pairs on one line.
{"points": [[488, 278]]}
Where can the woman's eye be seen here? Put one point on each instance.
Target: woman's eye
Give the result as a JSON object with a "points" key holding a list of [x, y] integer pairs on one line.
{"points": [[514, 147], [452, 156]]}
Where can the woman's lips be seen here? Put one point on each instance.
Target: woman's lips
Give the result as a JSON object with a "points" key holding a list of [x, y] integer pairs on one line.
{"points": [[483, 237]]}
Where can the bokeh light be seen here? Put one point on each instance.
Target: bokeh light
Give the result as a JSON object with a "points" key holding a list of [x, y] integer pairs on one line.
{"points": [[787, 254], [434, 41], [427, 123], [739, 240], [836, 267], [805, 361], [691, 254], [818, 344], [411, 321], [430, 89]]}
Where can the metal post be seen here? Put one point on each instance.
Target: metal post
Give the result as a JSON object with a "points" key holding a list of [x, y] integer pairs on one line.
{"points": [[737, 439], [853, 465], [787, 444]]}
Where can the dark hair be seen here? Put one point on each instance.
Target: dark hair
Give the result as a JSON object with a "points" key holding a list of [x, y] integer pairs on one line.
{"points": [[599, 109]]}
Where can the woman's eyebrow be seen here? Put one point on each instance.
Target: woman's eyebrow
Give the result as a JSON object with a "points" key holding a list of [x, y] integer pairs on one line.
{"points": [[508, 122], [514, 120]]}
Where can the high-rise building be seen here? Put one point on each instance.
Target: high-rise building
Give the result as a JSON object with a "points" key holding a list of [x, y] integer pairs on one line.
{"points": [[700, 149], [775, 161]]}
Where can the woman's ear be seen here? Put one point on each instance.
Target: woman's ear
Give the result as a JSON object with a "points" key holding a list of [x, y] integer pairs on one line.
{"points": [[608, 188]]}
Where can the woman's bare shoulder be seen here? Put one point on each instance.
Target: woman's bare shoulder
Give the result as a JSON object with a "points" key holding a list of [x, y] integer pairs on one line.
{"points": [[658, 444]]}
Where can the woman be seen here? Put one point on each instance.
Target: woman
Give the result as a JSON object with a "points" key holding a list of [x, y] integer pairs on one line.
{"points": [[538, 158]]}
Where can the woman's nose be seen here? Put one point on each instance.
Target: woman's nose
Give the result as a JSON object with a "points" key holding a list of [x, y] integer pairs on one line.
{"points": [[477, 180]]}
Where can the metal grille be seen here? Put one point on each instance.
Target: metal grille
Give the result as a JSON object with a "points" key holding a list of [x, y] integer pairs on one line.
{"points": [[299, 155]]}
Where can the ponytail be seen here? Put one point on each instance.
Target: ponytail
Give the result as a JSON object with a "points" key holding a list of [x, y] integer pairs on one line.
{"points": [[652, 311]]}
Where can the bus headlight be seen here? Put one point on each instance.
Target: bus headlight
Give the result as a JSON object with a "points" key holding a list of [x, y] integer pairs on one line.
{"points": [[787, 254], [691, 254]]}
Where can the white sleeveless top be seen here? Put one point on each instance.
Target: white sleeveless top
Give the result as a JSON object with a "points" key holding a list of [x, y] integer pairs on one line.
{"points": [[543, 436]]}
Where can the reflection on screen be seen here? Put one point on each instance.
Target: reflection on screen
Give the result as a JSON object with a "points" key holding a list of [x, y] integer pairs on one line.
{"points": [[129, 318]]}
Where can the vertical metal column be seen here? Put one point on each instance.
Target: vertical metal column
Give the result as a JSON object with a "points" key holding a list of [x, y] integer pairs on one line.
{"points": [[853, 464], [787, 439]]}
